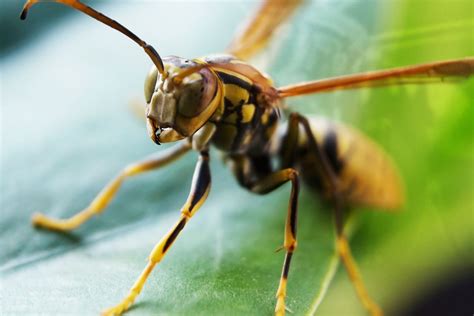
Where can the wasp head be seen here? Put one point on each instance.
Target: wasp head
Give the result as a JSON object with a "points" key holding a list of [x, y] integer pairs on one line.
{"points": [[181, 102]]}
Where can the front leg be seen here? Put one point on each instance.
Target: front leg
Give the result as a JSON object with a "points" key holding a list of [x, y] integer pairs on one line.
{"points": [[200, 188], [108, 192]]}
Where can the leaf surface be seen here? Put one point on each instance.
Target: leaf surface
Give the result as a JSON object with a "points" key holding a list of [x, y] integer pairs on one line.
{"points": [[67, 129]]}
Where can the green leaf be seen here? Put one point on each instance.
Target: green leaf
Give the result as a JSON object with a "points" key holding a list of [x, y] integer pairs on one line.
{"points": [[67, 129]]}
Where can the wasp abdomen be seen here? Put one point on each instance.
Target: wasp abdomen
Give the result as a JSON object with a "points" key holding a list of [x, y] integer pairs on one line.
{"points": [[366, 174]]}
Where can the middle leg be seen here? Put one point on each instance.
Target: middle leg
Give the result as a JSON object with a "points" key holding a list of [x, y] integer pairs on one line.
{"points": [[256, 175], [267, 185]]}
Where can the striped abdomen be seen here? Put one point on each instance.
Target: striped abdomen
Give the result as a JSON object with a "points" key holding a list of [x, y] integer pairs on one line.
{"points": [[366, 173]]}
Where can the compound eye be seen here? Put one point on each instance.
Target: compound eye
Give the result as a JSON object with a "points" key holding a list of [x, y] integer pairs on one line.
{"points": [[150, 83], [190, 104]]}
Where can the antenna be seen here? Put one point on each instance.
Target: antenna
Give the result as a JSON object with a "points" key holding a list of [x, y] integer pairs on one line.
{"points": [[75, 4]]}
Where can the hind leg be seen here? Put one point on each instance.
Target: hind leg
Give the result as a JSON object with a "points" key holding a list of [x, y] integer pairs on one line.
{"points": [[344, 252], [331, 181]]}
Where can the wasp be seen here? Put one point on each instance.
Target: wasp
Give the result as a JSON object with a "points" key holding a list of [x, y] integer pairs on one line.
{"points": [[224, 102]]}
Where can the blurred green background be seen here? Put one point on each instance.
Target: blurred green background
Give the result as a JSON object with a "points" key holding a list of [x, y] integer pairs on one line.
{"points": [[67, 128]]}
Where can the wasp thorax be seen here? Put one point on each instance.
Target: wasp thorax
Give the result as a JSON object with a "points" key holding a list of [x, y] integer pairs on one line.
{"points": [[178, 108]]}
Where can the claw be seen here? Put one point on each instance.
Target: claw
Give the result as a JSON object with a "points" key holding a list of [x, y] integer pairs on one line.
{"points": [[42, 221], [122, 306], [116, 310], [280, 307], [38, 219]]}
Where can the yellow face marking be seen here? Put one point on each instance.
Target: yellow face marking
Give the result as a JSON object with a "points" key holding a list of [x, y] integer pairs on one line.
{"points": [[264, 118], [235, 94], [248, 110]]}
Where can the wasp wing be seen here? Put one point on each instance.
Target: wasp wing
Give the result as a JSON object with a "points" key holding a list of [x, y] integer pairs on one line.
{"points": [[257, 31], [441, 71]]}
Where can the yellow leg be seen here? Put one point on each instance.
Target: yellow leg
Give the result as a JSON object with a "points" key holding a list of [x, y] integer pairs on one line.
{"points": [[332, 182], [266, 185], [280, 307], [108, 192], [198, 194], [344, 252], [351, 268], [290, 241]]}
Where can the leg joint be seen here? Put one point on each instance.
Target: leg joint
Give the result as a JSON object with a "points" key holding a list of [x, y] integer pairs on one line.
{"points": [[131, 170], [342, 247], [186, 214], [294, 116], [293, 174], [290, 246]]}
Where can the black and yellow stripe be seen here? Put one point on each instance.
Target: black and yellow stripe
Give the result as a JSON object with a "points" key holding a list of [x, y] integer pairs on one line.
{"points": [[248, 121]]}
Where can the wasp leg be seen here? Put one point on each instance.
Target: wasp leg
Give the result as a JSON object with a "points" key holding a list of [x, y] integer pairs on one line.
{"points": [[266, 185], [342, 244], [344, 251], [290, 145], [257, 32], [108, 192], [200, 188]]}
